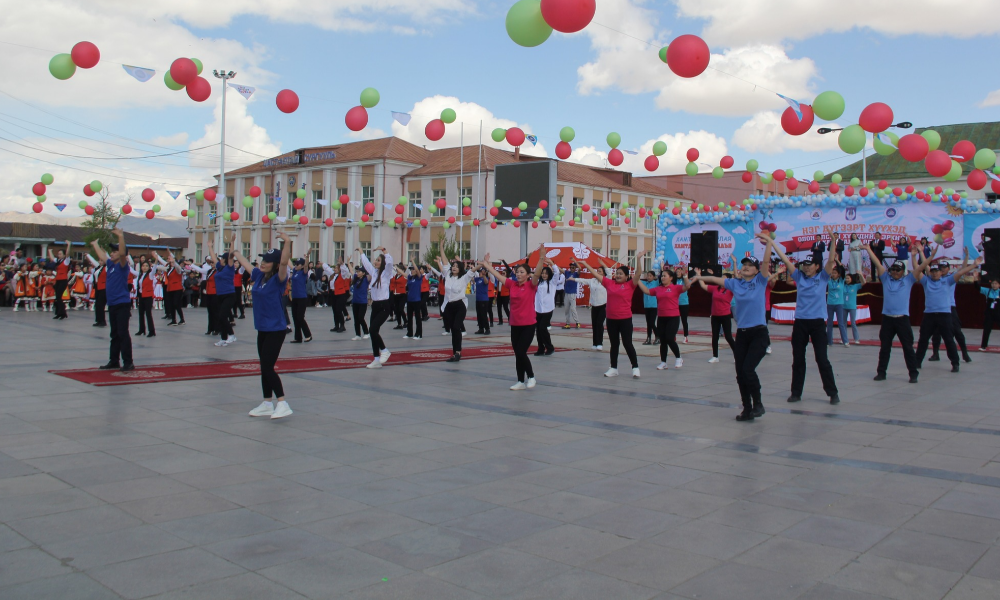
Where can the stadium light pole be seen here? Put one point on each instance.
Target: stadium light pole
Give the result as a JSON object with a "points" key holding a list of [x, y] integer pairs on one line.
{"points": [[225, 77], [864, 149]]}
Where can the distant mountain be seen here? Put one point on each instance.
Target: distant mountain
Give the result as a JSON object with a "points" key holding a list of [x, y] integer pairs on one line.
{"points": [[160, 226]]}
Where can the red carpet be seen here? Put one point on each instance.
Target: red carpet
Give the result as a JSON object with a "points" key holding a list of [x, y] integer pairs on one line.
{"points": [[243, 368]]}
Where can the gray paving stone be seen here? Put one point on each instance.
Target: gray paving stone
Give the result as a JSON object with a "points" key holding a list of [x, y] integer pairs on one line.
{"points": [[423, 548], [988, 566], [108, 548], [73, 586], [501, 525], [75, 524], [735, 580], [837, 533], [439, 508], [570, 544], [157, 574], [498, 572], [894, 579], [631, 521], [330, 575], [564, 506], [930, 550], [176, 506], [413, 585], [973, 588], [278, 546], [651, 565], [795, 557], [583, 585], [364, 526], [28, 564], [216, 527], [709, 539]]}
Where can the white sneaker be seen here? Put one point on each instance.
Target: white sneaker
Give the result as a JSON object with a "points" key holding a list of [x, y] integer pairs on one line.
{"points": [[232, 340], [600, 347], [220, 343], [593, 347], [281, 410], [406, 337], [265, 409], [768, 349], [416, 337], [375, 364], [714, 359], [463, 334], [847, 344], [15, 309], [383, 356], [366, 336], [661, 366], [635, 373], [549, 328], [685, 340], [611, 373], [531, 383], [517, 387], [355, 338], [446, 333], [678, 363]]}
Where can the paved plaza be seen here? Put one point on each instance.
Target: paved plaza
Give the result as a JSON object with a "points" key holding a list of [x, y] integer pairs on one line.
{"points": [[433, 481]]}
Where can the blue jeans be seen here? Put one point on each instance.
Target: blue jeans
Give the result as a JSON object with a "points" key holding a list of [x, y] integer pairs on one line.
{"points": [[852, 316], [838, 310]]}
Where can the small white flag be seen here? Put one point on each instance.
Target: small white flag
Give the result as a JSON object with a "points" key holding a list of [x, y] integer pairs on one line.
{"points": [[418, 205], [387, 205], [244, 90], [453, 207], [356, 203], [322, 202], [141, 74], [282, 219], [459, 223], [632, 152], [401, 118]]}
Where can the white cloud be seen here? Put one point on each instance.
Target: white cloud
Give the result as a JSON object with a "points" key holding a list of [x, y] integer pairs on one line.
{"points": [[368, 133], [991, 99], [763, 133], [241, 132], [710, 147]]}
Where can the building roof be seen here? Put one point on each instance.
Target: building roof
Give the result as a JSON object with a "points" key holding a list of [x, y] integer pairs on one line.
{"points": [[390, 148], [894, 166], [59, 234]]}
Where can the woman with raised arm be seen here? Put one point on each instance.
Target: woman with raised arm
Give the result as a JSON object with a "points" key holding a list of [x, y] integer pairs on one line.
{"points": [[340, 285], [620, 289], [454, 307], [269, 281], [668, 310], [721, 313], [360, 284], [522, 287], [381, 275], [853, 283], [119, 303], [225, 292], [545, 305], [414, 302], [300, 300]]}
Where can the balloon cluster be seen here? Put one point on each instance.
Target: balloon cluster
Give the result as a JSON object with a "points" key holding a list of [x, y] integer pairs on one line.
{"points": [[687, 56], [530, 22], [208, 194], [39, 190], [357, 118], [185, 73], [434, 130], [84, 55], [563, 149], [615, 156], [514, 136]]}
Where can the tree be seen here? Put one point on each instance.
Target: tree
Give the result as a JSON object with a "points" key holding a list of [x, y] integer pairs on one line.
{"points": [[434, 250], [105, 218]]}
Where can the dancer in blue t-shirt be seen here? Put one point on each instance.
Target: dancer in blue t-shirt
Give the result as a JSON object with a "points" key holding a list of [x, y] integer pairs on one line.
{"points": [[119, 302]]}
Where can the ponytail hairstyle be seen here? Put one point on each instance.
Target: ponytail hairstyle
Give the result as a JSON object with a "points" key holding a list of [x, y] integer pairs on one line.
{"points": [[381, 270], [548, 280]]}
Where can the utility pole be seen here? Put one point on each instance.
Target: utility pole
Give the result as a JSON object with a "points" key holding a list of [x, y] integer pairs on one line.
{"points": [[220, 239]]}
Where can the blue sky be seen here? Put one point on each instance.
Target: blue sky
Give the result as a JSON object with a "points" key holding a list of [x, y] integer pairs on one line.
{"points": [[929, 63]]}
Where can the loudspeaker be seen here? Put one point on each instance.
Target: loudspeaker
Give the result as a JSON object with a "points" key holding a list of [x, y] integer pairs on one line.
{"points": [[705, 249], [991, 254]]}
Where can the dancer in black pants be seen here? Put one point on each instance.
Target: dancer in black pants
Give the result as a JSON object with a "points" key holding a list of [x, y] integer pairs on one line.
{"points": [[938, 291], [413, 302], [360, 284], [144, 284], [992, 315], [225, 293], [340, 285], [100, 292], [722, 315], [545, 305], [598, 308], [896, 287], [60, 264], [300, 300], [381, 274], [119, 303], [956, 323], [456, 280], [620, 288]]}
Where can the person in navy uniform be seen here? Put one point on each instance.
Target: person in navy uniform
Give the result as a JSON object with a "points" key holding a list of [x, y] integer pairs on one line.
{"points": [[818, 248], [938, 291], [896, 287], [119, 302]]}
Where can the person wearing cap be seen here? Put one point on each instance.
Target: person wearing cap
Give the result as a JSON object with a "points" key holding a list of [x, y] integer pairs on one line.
{"points": [[896, 287], [938, 291], [956, 322], [225, 294], [992, 316], [414, 301], [119, 302], [269, 320], [752, 337], [359, 302], [380, 272], [810, 322], [300, 300], [481, 279]]}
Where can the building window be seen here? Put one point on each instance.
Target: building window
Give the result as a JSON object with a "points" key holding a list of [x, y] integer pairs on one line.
{"points": [[440, 195], [366, 248], [248, 213], [596, 249], [613, 254], [367, 194], [342, 213], [466, 249], [197, 253], [317, 212], [197, 216], [269, 203], [230, 204], [246, 249], [614, 217], [413, 253], [314, 252], [265, 246], [338, 251], [412, 211], [631, 257], [465, 192]]}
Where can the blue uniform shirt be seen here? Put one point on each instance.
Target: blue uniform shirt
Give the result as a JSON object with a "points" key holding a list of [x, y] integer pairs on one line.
{"points": [[834, 292], [413, 283], [224, 276], [851, 296], [810, 301], [937, 294], [299, 280], [748, 300], [570, 286], [482, 290], [116, 284], [359, 290], [268, 313], [647, 300], [896, 294], [682, 300]]}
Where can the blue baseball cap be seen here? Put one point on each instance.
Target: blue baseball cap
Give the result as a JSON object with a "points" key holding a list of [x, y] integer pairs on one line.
{"points": [[271, 256]]}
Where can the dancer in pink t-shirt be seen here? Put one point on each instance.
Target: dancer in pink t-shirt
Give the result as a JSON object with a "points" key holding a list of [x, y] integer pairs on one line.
{"points": [[668, 312], [620, 290]]}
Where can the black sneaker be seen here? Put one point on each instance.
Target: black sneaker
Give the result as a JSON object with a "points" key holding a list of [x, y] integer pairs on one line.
{"points": [[182, 322], [913, 378], [171, 324], [110, 365], [967, 358], [656, 342], [835, 399], [478, 332], [127, 367], [646, 343], [758, 410], [295, 342], [881, 377], [934, 358], [746, 415], [151, 335], [455, 358], [540, 353], [794, 398], [308, 339], [954, 368], [550, 352]]}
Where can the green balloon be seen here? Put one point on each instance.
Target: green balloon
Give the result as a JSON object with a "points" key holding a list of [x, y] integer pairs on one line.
{"points": [[691, 169], [536, 219], [448, 115], [466, 201], [984, 159], [718, 173], [361, 225], [579, 210], [606, 204], [789, 173], [659, 148], [47, 178], [829, 106], [156, 208], [852, 139], [766, 178], [836, 178], [880, 193], [855, 181], [402, 201], [883, 148], [525, 24], [870, 184], [523, 206], [498, 203], [539, 212], [167, 79], [964, 194], [198, 64], [433, 209], [949, 192], [199, 195], [96, 186], [956, 172], [752, 165], [663, 53], [933, 139], [567, 134], [369, 97], [41, 198], [300, 193], [818, 176], [336, 205], [498, 134], [996, 170], [226, 216], [61, 66], [447, 225], [614, 139], [82, 204], [247, 201], [272, 216]]}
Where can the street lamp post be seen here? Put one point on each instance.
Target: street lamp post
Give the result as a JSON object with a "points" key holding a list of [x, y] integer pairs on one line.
{"points": [[225, 77], [864, 149]]}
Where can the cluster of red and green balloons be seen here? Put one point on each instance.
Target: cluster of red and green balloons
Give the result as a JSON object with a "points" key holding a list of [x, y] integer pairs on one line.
{"points": [[92, 188], [687, 56], [185, 74], [84, 55], [530, 22], [357, 118], [39, 190], [514, 136], [434, 130]]}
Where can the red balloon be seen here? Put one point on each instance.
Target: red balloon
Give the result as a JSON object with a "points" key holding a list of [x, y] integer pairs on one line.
{"points": [[85, 55], [328, 222], [977, 180], [676, 211], [287, 101], [693, 154], [936, 229], [434, 130], [791, 123], [494, 211], [568, 16], [849, 190], [604, 212], [87, 191], [534, 224], [298, 204], [615, 157], [344, 199], [995, 186], [148, 195], [747, 177], [585, 208], [813, 187], [772, 227], [440, 203], [726, 162], [150, 214], [662, 206], [652, 163], [210, 195], [515, 137], [37, 207], [183, 71], [370, 208], [863, 192], [876, 117], [356, 118], [897, 192], [399, 209], [563, 150], [642, 212], [398, 220], [913, 147], [627, 220], [938, 189], [493, 225], [466, 210], [965, 150], [883, 184], [779, 175], [199, 90], [792, 183], [451, 220], [920, 195], [753, 206], [264, 219], [688, 56], [543, 204], [475, 222], [365, 218], [38, 189], [302, 220], [184, 212], [254, 192], [516, 212], [938, 163], [423, 222], [834, 188], [516, 223], [235, 216], [552, 224], [572, 222], [909, 189], [127, 209]]}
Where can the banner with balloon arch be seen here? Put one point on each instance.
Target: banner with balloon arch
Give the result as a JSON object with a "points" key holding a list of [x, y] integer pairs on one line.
{"points": [[673, 242]]}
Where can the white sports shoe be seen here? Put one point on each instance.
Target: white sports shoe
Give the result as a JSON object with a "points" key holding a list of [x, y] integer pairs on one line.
{"points": [[416, 337], [531, 383], [355, 338], [375, 364], [847, 344], [383, 356], [446, 333], [518, 387], [714, 359], [220, 343], [265, 409], [678, 363], [635, 373], [231, 340], [281, 410], [600, 347], [768, 349], [661, 366], [685, 339], [406, 337], [366, 336], [593, 347], [611, 373], [463, 334]]}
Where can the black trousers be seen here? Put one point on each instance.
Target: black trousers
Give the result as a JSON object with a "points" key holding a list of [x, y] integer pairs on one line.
{"points": [[520, 338], [454, 314], [489, 311], [268, 348], [750, 348], [121, 340], [651, 323], [224, 310], [399, 309], [425, 298], [542, 327], [145, 315], [339, 304], [413, 312], [940, 323], [991, 318], [100, 302], [360, 310], [597, 314], [560, 296], [299, 318], [803, 332], [208, 301], [60, 304], [956, 332], [893, 327], [173, 302], [684, 317], [666, 329], [620, 332], [380, 314], [482, 317], [724, 323], [503, 307], [238, 302]]}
